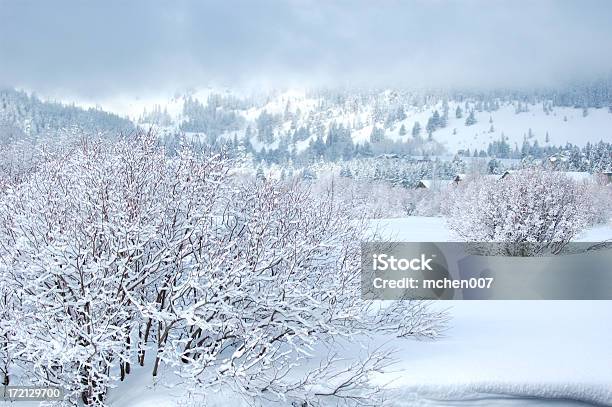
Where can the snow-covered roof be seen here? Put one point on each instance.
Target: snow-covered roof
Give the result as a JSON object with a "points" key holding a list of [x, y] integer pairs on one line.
{"points": [[388, 156], [578, 176], [425, 183], [435, 183]]}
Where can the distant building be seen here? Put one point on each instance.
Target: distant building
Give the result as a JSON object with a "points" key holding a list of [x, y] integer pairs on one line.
{"points": [[577, 176], [435, 184], [462, 177], [425, 183], [388, 156]]}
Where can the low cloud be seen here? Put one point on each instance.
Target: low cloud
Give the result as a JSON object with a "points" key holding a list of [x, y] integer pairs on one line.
{"points": [[97, 49]]}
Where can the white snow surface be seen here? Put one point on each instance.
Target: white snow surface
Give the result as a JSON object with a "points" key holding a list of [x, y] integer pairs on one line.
{"points": [[506, 352], [546, 349], [495, 353], [562, 124]]}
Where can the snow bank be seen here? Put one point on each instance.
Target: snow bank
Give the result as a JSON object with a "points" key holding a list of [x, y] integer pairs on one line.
{"points": [[505, 352]]}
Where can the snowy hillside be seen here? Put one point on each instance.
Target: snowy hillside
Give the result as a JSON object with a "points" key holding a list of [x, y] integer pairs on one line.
{"points": [[577, 129], [288, 123], [516, 120]]}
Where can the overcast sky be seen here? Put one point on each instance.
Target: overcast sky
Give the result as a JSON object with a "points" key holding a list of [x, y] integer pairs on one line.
{"points": [[89, 49]]}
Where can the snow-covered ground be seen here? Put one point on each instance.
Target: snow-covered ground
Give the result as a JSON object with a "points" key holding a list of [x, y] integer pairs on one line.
{"points": [[503, 352], [576, 129], [434, 229], [495, 349], [495, 353]]}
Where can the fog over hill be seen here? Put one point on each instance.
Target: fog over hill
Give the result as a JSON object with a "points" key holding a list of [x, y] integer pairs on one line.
{"points": [[157, 48]]}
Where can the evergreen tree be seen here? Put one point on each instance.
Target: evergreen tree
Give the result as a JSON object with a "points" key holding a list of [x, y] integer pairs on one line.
{"points": [[416, 129], [401, 114], [436, 118], [377, 135], [458, 112], [402, 130], [471, 119], [260, 174], [346, 172], [433, 123], [443, 120]]}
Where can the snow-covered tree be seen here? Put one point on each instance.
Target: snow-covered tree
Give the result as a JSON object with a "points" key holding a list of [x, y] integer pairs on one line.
{"points": [[471, 119], [458, 112], [543, 208], [113, 254], [416, 129]]}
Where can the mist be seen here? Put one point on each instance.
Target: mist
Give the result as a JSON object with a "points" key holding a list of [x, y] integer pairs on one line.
{"points": [[97, 50]]}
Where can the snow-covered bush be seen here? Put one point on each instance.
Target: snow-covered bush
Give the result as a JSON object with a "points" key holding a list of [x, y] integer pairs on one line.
{"points": [[113, 254], [599, 202], [377, 199], [542, 208]]}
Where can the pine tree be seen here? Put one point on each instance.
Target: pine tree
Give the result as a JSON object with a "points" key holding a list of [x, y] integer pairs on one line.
{"points": [[377, 135], [260, 174], [402, 130], [416, 129], [430, 126], [436, 119], [443, 120], [471, 119], [458, 112], [401, 114], [346, 172]]}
